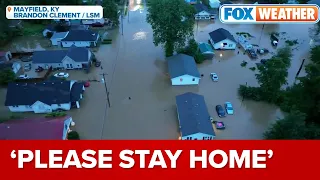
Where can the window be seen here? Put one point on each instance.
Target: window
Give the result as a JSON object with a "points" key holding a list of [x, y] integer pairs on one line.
{"points": [[193, 79], [224, 44], [230, 45], [181, 79]]}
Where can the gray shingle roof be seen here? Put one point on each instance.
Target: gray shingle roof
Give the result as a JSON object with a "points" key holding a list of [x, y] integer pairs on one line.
{"points": [[220, 35], [201, 7], [81, 35], [78, 54], [182, 64], [193, 114]]}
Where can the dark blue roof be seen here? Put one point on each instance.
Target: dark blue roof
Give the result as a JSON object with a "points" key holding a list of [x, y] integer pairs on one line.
{"points": [[81, 35], [182, 64], [193, 114]]}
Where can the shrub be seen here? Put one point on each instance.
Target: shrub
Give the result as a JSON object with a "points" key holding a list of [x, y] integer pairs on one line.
{"points": [[56, 114], [244, 64]]}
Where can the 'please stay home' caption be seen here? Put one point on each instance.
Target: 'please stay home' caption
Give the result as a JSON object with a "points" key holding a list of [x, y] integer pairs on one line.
{"points": [[142, 158]]}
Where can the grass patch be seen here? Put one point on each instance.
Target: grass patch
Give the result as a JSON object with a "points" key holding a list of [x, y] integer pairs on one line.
{"points": [[244, 64], [107, 41], [245, 34], [253, 68], [32, 29], [292, 42], [55, 114], [11, 117]]}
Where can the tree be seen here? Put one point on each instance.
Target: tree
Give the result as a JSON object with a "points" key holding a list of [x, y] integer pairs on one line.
{"points": [[73, 135], [110, 11], [7, 76], [172, 23]]}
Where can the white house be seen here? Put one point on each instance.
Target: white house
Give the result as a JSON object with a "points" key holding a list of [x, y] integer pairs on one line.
{"points": [[73, 58], [214, 4], [203, 13], [183, 70], [194, 118], [80, 38], [44, 97], [44, 128], [222, 39]]}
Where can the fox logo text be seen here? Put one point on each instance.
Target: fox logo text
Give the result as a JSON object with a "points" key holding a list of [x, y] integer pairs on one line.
{"points": [[253, 14]]}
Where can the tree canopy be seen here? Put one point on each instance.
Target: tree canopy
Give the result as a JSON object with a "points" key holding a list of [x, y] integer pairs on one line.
{"points": [[6, 76], [172, 27], [110, 11]]}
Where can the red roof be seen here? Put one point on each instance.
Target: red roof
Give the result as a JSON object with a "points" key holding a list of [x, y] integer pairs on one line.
{"points": [[33, 129]]}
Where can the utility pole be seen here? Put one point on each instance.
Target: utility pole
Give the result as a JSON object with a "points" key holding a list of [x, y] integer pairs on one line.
{"points": [[300, 68], [197, 26], [122, 23], [261, 34], [105, 86], [128, 13]]}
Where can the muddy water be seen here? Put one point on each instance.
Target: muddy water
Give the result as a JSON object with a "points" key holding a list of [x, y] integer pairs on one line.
{"points": [[137, 69]]}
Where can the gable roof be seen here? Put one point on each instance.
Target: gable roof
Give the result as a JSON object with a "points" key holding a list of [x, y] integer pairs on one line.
{"points": [[182, 64], [201, 7], [76, 91], [48, 92], [33, 129], [57, 35], [81, 35], [193, 114], [220, 35], [205, 47], [78, 54]]}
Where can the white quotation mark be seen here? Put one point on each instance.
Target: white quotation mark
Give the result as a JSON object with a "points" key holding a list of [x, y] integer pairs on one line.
{"points": [[13, 154], [270, 153]]}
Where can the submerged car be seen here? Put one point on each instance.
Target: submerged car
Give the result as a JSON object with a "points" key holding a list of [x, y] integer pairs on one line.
{"points": [[252, 53], [214, 77], [220, 111], [24, 76], [229, 108], [61, 75], [27, 67]]}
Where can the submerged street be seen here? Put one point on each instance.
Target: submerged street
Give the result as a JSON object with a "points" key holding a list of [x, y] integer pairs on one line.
{"points": [[142, 100]]}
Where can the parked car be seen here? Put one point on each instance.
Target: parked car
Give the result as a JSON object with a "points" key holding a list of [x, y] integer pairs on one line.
{"points": [[61, 75], [262, 51], [252, 53], [87, 84], [220, 111], [97, 63], [214, 77], [263, 61], [27, 67], [229, 108], [219, 125], [24, 76], [39, 69]]}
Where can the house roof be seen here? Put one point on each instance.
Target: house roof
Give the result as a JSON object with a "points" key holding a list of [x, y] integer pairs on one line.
{"points": [[226, 2], [205, 47], [78, 54], [76, 91], [193, 114], [182, 64], [48, 92], [201, 7], [81, 35], [59, 35], [51, 27], [220, 35], [33, 129]]}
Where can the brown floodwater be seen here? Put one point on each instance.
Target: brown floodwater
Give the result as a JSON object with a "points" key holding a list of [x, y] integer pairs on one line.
{"points": [[135, 68]]}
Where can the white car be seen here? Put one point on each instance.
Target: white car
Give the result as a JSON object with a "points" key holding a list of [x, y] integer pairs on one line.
{"points": [[24, 76], [229, 108], [61, 75], [214, 77]]}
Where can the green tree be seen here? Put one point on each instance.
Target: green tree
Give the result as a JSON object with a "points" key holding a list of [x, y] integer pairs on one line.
{"points": [[110, 11], [73, 135], [7, 76], [172, 23]]}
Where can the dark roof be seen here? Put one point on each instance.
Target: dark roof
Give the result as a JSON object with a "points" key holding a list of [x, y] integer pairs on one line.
{"points": [[182, 64], [33, 129], [220, 35], [49, 92], [81, 35], [78, 54], [51, 27], [201, 7], [193, 114], [79, 27], [226, 2], [76, 91]]}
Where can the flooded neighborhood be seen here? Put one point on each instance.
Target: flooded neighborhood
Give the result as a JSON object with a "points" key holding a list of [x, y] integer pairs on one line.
{"points": [[131, 95]]}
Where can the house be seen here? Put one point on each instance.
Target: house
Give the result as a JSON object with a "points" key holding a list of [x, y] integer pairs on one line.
{"points": [[14, 66], [36, 129], [191, 1], [57, 37], [222, 39], [49, 29], [183, 70], [203, 12], [5, 56], [81, 38], [73, 58], [225, 2], [93, 22], [214, 4], [44, 97], [194, 118], [206, 50], [53, 28]]}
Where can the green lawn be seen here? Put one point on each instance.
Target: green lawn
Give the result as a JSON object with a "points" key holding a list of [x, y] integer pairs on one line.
{"points": [[32, 29]]}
